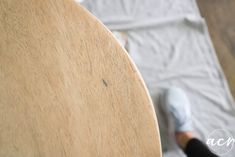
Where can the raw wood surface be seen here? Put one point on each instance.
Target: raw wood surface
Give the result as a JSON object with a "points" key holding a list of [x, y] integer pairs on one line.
{"points": [[220, 18], [67, 88]]}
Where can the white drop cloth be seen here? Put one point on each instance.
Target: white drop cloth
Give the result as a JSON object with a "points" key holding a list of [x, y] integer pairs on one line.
{"points": [[169, 42]]}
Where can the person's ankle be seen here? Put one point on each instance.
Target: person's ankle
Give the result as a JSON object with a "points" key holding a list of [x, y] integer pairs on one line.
{"points": [[183, 138]]}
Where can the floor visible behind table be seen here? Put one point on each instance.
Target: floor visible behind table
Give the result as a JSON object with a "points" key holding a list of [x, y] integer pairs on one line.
{"points": [[220, 18]]}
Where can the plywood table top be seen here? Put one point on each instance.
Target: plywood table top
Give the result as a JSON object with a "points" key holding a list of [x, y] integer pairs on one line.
{"points": [[67, 88]]}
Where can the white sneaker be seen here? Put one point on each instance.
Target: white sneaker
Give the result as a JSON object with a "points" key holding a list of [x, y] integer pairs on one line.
{"points": [[177, 106]]}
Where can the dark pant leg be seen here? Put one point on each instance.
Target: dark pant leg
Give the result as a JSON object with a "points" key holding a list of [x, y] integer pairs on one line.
{"points": [[195, 148]]}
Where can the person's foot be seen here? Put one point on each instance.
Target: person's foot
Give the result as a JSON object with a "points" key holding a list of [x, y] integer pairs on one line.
{"points": [[177, 106]]}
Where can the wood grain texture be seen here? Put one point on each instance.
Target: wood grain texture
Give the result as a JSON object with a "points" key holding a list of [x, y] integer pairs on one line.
{"points": [[220, 18], [67, 88]]}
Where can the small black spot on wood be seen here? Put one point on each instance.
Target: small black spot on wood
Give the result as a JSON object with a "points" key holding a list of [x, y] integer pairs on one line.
{"points": [[105, 83]]}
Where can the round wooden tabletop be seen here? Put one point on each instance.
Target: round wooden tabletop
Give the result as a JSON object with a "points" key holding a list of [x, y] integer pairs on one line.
{"points": [[67, 88]]}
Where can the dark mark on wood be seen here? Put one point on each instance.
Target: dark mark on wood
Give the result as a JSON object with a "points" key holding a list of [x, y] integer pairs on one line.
{"points": [[105, 83]]}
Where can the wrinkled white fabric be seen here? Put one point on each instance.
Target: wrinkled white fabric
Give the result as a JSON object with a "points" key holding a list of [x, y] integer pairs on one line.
{"points": [[169, 42]]}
